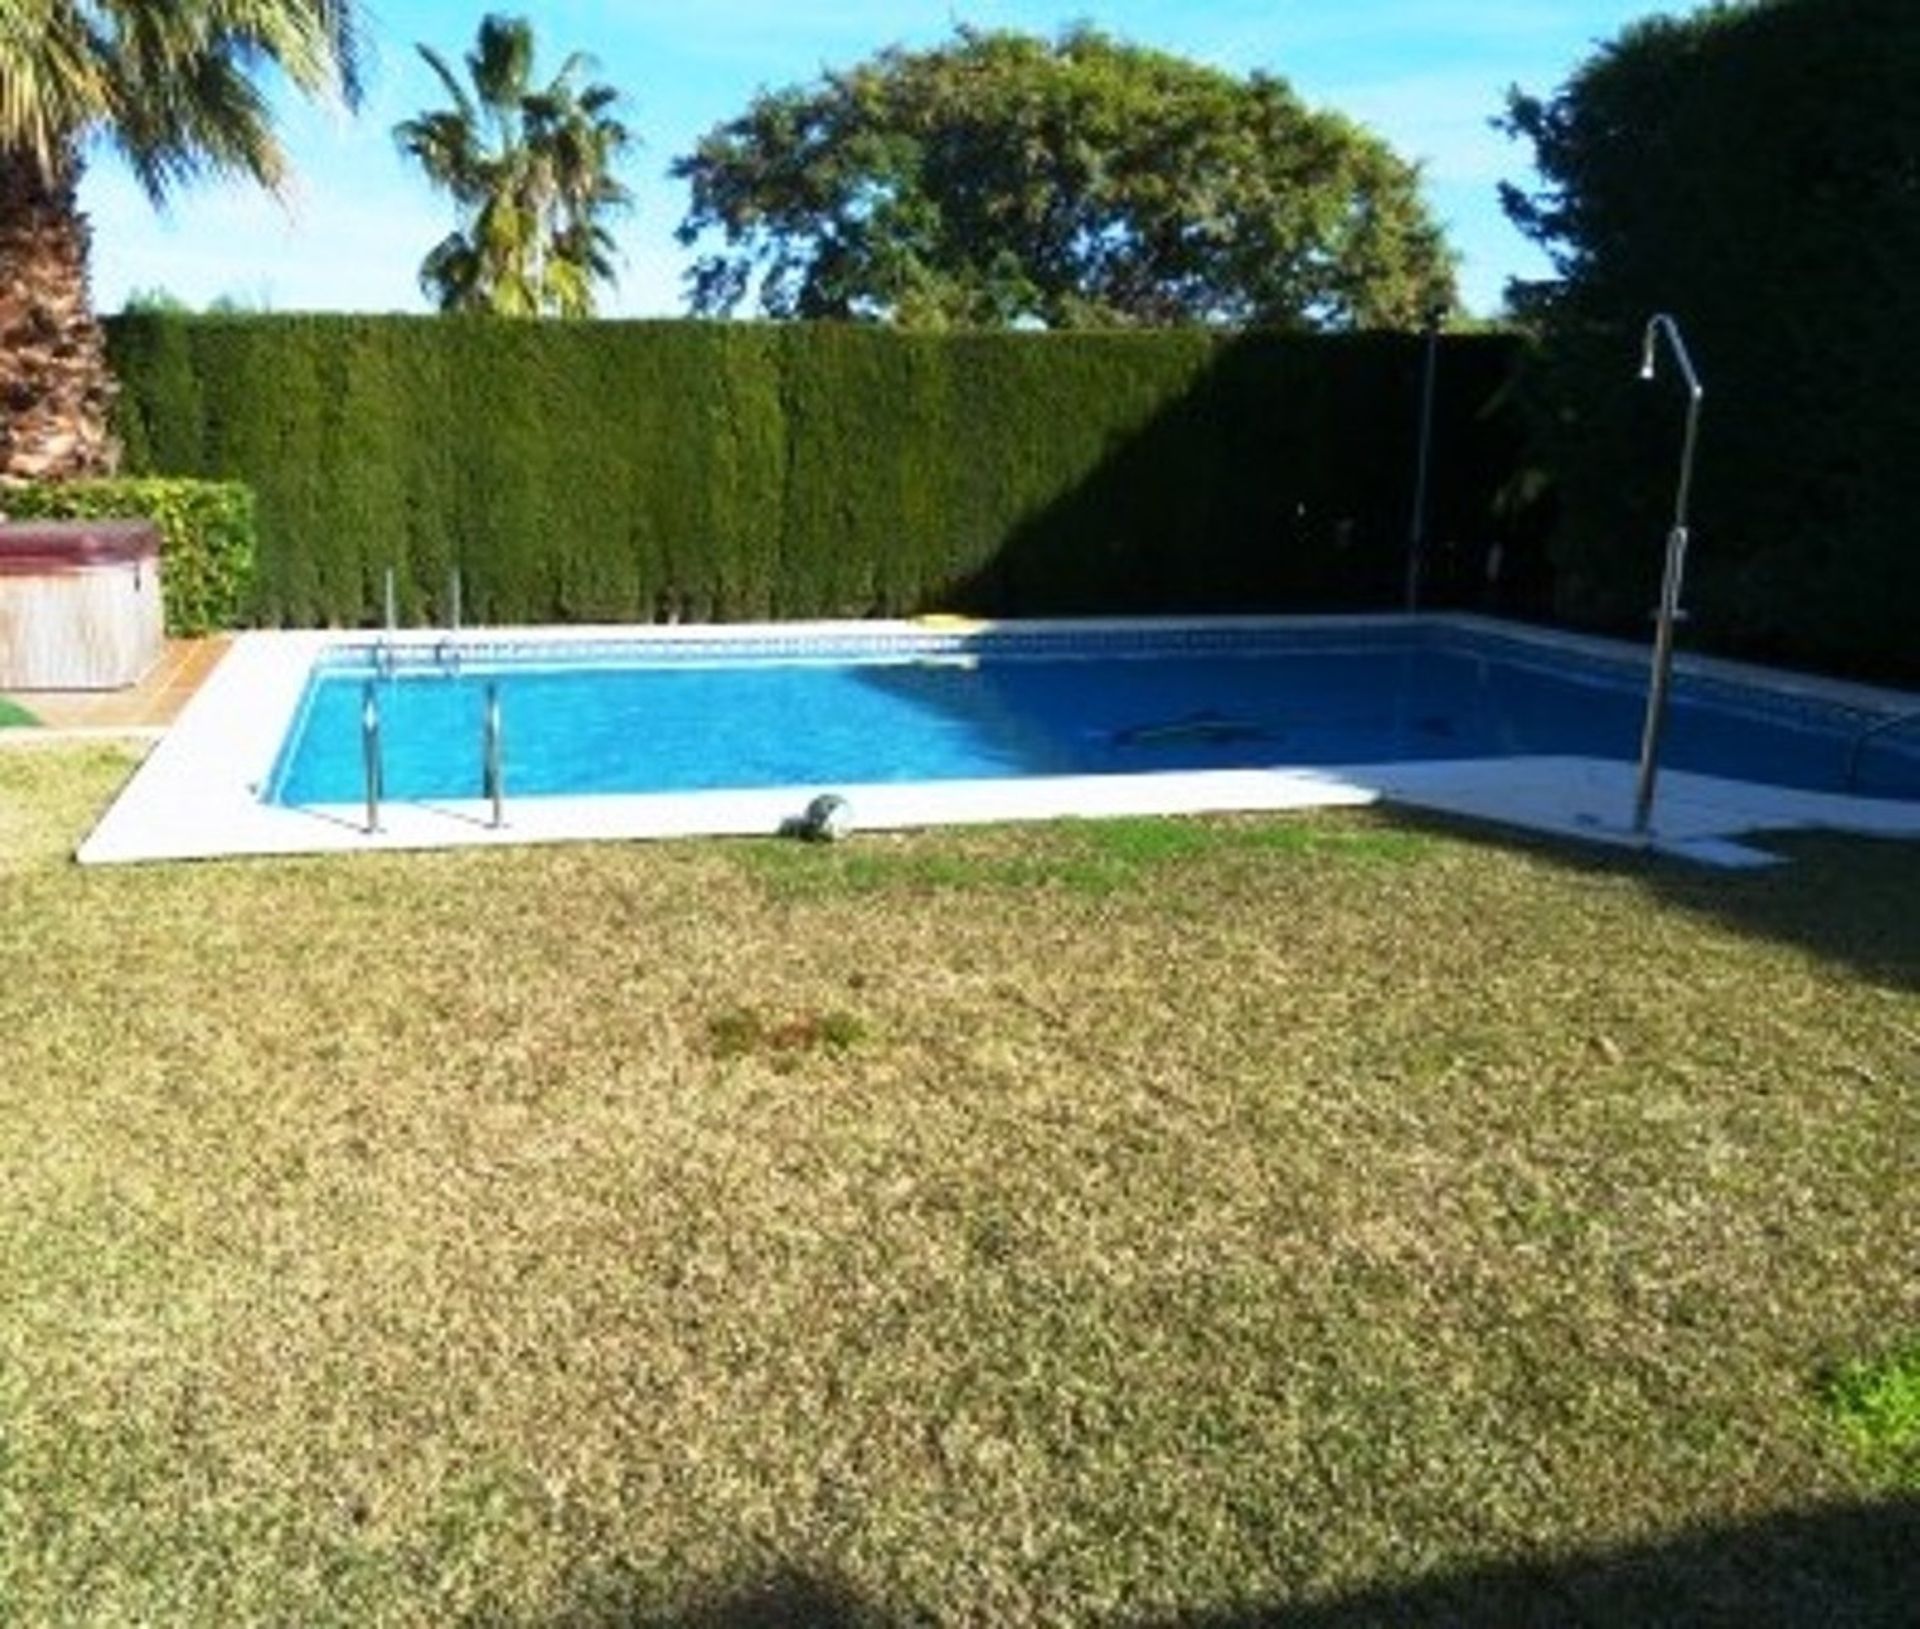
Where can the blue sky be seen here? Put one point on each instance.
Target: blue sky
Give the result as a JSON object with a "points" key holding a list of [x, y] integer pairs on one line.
{"points": [[1426, 74]]}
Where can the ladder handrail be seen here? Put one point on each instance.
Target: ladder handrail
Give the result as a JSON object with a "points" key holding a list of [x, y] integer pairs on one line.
{"points": [[493, 778], [370, 753]]}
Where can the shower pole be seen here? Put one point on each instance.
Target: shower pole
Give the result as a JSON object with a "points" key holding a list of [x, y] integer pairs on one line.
{"points": [[1417, 527], [1675, 573]]}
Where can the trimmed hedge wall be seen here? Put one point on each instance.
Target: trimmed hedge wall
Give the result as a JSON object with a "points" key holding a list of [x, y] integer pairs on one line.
{"points": [[206, 537], [626, 471]]}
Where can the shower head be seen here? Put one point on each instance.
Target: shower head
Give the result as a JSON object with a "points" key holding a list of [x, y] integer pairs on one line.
{"points": [[1648, 345]]}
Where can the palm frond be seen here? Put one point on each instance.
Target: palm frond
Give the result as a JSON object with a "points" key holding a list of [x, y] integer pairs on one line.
{"points": [[51, 81], [450, 274], [501, 63], [175, 87], [450, 82]]}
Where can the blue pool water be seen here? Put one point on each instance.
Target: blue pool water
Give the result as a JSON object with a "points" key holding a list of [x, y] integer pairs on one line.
{"points": [[576, 724]]}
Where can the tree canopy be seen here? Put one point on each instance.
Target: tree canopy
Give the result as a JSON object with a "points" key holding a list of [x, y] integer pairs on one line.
{"points": [[530, 167], [1005, 179], [1755, 170], [176, 86]]}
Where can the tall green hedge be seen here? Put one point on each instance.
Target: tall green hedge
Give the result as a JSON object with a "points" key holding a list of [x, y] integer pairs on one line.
{"points": [[714, 470]]}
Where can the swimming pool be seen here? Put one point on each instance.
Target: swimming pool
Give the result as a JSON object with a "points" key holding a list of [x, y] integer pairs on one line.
{"points": [[599, 718], [643, 732]]}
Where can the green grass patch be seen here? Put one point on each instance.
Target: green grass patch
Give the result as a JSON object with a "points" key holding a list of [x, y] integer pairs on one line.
{"points": [[1088, 857], [1876, 1407], [1149, 840], [14, 716], [744, 1032], [1328, 1218]]}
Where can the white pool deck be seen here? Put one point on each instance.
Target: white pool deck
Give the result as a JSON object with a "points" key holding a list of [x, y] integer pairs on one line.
{"points": [[197, 794]]}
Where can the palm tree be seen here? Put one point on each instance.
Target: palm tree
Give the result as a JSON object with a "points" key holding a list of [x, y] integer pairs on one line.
{"points": [[530, 169], [171, 84]]}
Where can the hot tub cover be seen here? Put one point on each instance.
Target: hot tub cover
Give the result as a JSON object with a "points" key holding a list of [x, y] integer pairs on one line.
{"points": [[43, 547]]}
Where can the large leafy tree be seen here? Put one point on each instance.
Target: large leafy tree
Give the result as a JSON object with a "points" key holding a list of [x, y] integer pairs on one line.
{"points": [[1079, 182], [174, 86], [1754, 169], [531, 168]]}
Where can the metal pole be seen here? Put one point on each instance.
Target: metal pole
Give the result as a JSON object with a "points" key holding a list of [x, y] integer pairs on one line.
{"points": [[492, 759], [1658, 686], [370, 752], [453, 599], [1417, 528], [1673, 576], [392, 607]]}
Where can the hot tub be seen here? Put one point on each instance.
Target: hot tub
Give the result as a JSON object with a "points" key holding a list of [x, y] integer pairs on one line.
{"points": [[79, 604]]}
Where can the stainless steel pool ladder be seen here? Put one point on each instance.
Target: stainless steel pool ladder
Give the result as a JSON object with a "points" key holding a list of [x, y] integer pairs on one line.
{"points": [[493, 778], [493, 759], [1857, 748], [370, 753]]}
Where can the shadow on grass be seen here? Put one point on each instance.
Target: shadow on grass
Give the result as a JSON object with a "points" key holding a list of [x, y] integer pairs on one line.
{"points": [[1853, 1565], [782, 1597], [1852, 901]]}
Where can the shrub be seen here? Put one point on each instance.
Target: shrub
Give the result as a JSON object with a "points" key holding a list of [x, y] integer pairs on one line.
{"points": [[206, 537]]}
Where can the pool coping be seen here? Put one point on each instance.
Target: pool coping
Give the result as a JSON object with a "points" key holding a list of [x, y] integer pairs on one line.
{"points": [[195, 795]]}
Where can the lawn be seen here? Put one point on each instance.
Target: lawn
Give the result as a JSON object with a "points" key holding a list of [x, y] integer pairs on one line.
{"points": [[1315, 1221], [12, 714]]}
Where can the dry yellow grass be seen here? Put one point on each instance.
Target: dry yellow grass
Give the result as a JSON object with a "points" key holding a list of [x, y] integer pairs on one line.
{"points": [[1130, 1223]]}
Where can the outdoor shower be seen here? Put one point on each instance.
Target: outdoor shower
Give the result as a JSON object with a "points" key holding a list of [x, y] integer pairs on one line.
{"points": [[1670, 582], [1423, 458]]}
